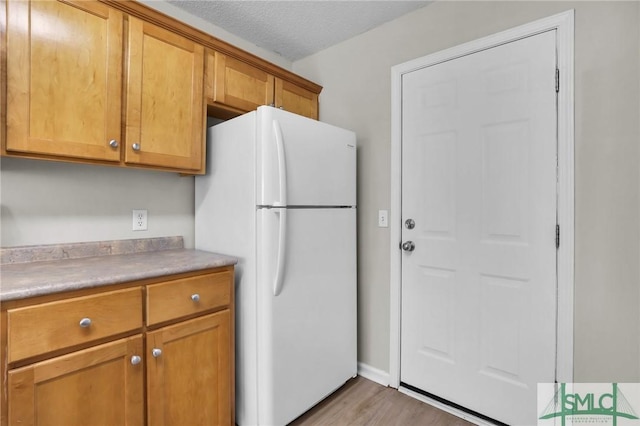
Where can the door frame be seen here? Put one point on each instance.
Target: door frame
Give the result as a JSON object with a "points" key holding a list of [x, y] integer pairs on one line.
{"points": [[563, 23]]}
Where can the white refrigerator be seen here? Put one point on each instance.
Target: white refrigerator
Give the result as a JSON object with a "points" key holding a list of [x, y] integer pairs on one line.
{"points": [[280, 195]]}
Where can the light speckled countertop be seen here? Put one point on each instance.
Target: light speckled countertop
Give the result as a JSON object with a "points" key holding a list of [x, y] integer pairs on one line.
{"points": [[36, 278]]}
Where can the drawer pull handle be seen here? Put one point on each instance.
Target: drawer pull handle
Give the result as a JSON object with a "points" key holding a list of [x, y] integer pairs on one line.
{"points": [[195, 297], [135, 360], [156, 352], [85, 322]]}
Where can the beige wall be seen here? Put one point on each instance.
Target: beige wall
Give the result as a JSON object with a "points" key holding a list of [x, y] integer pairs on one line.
{"points": [[356, 79], [44, 202]]}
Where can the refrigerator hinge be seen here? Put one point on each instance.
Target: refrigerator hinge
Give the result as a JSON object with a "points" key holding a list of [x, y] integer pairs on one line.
{"points": [[557, 80], [557, 236]]}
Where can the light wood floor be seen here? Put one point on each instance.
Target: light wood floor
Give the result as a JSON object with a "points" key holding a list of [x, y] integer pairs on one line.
{"points": [[363, 402]]}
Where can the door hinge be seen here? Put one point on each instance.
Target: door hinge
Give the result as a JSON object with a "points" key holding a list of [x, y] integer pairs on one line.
{"points": [[557, 236], [557, 80]]}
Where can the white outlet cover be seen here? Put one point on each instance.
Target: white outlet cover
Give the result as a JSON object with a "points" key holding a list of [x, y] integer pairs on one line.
{"points": [[139, 220]]}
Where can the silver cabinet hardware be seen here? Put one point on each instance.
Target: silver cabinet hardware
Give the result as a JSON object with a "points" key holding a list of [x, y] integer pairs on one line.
{"points": [[85, 322], [156, 352], [135, 360], [409, 223], [136, 147], [195, 297], [113, 143]]}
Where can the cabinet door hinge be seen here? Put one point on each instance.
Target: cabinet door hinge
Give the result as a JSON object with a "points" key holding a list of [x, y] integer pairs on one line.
{"points": [[557, 236], [557, 80]]}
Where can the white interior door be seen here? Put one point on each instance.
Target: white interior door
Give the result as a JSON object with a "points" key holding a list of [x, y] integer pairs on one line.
{"points": [[479, 166]]}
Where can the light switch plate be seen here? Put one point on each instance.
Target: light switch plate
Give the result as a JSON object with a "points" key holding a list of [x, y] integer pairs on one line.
{"points": [[383, 218]]}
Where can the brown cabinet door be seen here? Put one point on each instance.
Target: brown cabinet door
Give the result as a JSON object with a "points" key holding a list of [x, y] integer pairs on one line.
{"points": [[95, 386], [165, 103], [64, 72], [237, 85], [190, 380], [295, 99]]}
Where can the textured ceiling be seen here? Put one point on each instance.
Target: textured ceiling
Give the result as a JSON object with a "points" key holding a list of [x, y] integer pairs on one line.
{"points": [[295, 29]]}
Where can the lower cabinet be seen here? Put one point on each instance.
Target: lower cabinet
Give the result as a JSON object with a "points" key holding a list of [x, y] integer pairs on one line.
{"points": [[172, 366], [190, 359], [102, 385]]}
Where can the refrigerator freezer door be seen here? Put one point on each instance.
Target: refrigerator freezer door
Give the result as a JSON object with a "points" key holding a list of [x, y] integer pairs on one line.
{"points": [[319, 161], [306, 333]]}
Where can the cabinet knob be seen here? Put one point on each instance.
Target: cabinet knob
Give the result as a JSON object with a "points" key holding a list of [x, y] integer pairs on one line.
{"points": [[136, 147], [113, 143], [135, 360], [85, 322], [195, 297], [156, 352]]}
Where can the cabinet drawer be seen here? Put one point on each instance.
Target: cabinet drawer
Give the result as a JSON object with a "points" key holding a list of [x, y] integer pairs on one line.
{"points": [[39, 329], [179, 298]]}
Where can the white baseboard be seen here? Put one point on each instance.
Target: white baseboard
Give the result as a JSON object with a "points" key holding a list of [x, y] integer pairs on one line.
{"points": [[373, 374]]}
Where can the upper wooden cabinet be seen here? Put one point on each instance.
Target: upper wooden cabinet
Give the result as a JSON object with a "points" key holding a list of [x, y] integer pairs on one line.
{"points": [[115, 82], [64, 73], [65, 67], [234, 87], [165, 105], [291, 97]]}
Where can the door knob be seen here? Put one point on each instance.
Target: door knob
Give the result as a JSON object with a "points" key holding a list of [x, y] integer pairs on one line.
{"points": [[408, 246]]}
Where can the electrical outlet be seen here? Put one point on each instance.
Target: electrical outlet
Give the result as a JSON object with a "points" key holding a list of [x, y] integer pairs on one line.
{"points": [[139, 220]]}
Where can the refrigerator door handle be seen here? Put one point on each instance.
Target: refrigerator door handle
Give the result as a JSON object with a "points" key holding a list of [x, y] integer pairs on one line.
{"points": [[282, 164], [282, 251]]}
